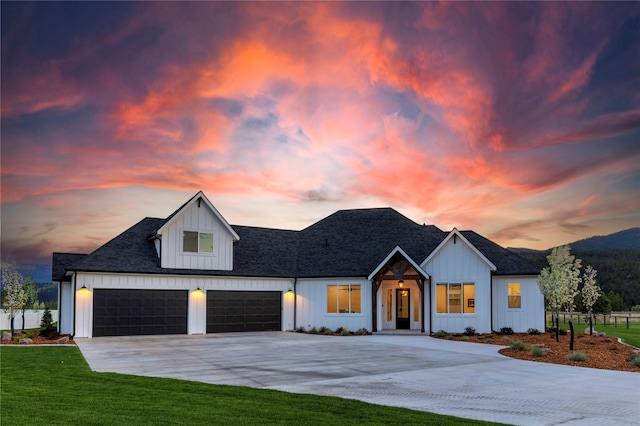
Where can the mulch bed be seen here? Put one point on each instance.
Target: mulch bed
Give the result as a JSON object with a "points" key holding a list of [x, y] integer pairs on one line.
{"points": [[40, 340], [604, 352]]}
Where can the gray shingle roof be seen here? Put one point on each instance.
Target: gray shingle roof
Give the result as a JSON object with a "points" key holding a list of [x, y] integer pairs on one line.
{"points": [[348, 243]]}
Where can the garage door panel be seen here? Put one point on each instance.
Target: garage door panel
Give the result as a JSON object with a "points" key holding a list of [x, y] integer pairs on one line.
{"points": [[121, 312], [235, 311]]}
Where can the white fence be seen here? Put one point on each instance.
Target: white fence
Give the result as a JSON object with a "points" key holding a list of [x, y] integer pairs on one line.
{"points": [[32, 319]]}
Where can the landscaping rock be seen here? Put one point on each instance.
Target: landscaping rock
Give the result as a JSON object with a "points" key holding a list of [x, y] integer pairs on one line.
{"points": [[62, 339], [26, 341], [547, 350], [6, 335]]}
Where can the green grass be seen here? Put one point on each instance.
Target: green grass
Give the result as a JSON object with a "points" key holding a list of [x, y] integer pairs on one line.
{"points": [[630, 336], [54, 386]]}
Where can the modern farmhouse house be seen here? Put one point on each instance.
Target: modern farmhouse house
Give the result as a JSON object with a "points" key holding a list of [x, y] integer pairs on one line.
{"points": [[193, 273]]}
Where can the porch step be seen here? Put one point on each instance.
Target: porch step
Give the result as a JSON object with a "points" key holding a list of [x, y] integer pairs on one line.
{"points": [[401, 333]]}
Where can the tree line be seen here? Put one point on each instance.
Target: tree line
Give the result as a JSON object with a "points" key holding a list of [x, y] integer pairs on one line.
{"points": [[618, 276]]}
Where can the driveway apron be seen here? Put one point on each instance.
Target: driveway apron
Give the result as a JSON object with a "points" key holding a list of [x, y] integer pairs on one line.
{"points": [[457, 378]]}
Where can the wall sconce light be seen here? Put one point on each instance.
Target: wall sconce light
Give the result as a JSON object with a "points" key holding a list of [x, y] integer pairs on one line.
{"points": [[401, 283], [84, 287], [290, 291], [198, 289]]}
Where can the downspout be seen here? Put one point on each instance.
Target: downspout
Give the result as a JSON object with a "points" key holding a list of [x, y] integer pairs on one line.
{"points": [[491, 299], [430, 308], [73, 314], [295, 302], [59, 306]]}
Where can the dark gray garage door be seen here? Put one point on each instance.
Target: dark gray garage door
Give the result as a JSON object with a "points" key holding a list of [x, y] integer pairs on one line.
{"points": [[120, 312], [229, 311]]}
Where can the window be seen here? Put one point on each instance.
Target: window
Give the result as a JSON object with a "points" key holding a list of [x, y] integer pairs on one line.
{"points": [[514, 295], [197, 242], [343, 299], [389, 304], [455, 298]]}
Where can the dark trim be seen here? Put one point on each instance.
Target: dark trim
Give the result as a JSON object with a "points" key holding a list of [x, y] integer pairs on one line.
{"points": [[295, 302], [491, 300], [74, 283], [430, 309]]}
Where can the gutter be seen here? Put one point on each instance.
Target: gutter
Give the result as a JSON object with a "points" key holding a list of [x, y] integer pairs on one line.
{"points": [[295, 301], [73, 318], [491, 299]]}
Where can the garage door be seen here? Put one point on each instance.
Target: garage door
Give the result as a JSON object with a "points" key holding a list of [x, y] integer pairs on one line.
{"points": [[120, 312], [229, 311]]}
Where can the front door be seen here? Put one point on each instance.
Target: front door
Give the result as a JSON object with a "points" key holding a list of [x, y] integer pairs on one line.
{"points": [[402, 308]]}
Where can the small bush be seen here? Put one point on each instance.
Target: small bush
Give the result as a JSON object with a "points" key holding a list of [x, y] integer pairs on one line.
{"points": [[577, 356], [301, 329], [533, 331], [469, 331], [450, 337], [506, 330], [325, 330], [489, 339], [635, 361], [345, 332], [519, 345], [441, 333], [339, 330], [362, 332], [537, 351], [465, 338], [313, 330]]}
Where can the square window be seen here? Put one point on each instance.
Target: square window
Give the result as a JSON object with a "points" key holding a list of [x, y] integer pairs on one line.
{"points": [[190, 241]]}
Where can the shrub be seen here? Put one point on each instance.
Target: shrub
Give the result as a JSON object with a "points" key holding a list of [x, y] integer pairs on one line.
{"points": [[533, 331], [465, 338], [469, 331], [362, 332], [325, 330], [345, 331], [313, 330], [537, 351], [301, 329], [636, 361], [441, 333], [489, 339], [577, 356], [450, 337], [339, 330], [635, 308], [519, 345], [506, 330]]}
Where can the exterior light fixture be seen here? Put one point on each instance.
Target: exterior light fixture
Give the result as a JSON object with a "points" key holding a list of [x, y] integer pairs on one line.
{"points": [[290, 291], [84, 287], [401, 283], [198, 289]]}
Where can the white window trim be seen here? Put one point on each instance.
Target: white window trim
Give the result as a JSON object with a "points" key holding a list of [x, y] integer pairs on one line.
{"points": [[519, 295], [197, 253], [346, 314], [450, 314]]}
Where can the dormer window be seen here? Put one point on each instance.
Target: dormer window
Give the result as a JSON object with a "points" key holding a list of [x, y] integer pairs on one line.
{"points": [[197, 242]]}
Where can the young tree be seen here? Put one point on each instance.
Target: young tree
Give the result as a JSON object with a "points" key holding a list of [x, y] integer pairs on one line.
{"points": [[559, 281], [590, 293], [14, 296], [31, 293]]}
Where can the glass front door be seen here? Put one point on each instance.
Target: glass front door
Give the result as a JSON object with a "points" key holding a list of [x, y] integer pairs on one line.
{"points": [[402, 309]]}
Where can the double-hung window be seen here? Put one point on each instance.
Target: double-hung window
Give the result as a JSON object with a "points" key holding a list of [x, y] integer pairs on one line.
{"points": [[514, 295], [344, 299], [197, 242], [455, 298]]}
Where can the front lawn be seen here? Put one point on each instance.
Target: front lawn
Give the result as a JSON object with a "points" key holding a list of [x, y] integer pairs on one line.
{"points": [[630, 336], [54, 385]]}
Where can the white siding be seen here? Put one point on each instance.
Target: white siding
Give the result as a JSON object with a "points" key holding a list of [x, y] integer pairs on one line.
{"points": [[311, 305], [531, 312], [197, 300], [458, 263], [201, 219], [65, 307]]}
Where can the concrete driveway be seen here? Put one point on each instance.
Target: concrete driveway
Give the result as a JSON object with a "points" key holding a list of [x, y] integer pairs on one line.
{"points": [[457, 378]]}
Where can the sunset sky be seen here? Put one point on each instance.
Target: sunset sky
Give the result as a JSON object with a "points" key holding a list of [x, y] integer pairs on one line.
{"points": [[519, 120]]}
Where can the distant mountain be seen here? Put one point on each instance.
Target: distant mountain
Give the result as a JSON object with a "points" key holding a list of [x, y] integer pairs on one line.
{"points": [[40, 273], [627, 239]]}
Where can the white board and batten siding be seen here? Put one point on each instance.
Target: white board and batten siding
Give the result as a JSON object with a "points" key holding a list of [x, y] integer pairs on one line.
{"points": [[311, 304], [531, 311], [456, 262], [201, 219], [197, 315]]}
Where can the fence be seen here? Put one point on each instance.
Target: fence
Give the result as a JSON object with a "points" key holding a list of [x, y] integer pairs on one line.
{"points": [[617, 319], [32, 319]]}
